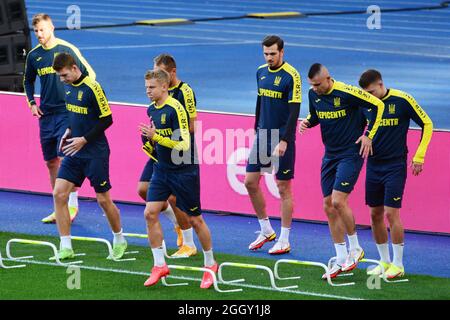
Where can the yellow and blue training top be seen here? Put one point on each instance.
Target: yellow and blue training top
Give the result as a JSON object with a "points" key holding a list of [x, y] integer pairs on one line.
{"points": [[390, 143], [39, 62], [341, 120]]}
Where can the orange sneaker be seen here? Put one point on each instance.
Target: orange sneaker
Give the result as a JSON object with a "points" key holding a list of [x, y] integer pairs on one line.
{"points": [[157, 273], [207, 280]]}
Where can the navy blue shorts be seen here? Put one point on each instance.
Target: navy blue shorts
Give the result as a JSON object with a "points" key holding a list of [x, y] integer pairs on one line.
{"points": [[51, 130], [184, 184], [340, 173], [261, 160], [385, 183], [96, 170], [148, 171]]}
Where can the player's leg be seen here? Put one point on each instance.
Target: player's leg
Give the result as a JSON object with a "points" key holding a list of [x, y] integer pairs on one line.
{"points": [[142, 188], [70, 175], [252, 184], [347, 173], [284, 168], [186, 187], [60, 125], [375, 190], [157, 195], [155, 237], [395, 185], [52, 161], [335, 223], [185, 234]]}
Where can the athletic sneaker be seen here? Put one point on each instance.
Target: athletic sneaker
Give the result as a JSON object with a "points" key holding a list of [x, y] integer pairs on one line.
{"points": [[119, 250], [259, 242], [395, 272], [377, 270], [185, 252], [207, 280], [157, 273], [73, 211], [334, 271], [64, 254], [179, 236], [280, 248], [352, 259]]}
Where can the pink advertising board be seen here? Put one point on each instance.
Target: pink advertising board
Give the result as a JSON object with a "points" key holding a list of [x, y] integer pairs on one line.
{"points": [[223, 141]]}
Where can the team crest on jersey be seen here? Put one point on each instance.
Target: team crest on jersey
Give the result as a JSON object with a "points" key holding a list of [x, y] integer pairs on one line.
{"points": [[392, 108], [80, 95], [277, 81], [337, 102], [163, 118]]}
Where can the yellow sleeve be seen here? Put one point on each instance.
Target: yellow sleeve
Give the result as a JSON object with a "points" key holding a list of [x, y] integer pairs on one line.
{"points": [[100, 97], [189, 101], [182, 125], [420, 115]]}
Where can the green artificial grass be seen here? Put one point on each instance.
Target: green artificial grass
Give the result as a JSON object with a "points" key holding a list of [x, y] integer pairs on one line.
{"points": [[124, 280]]}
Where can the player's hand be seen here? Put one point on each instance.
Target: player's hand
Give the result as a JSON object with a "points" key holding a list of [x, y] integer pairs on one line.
{"points": [[304, 125], [416, 168], [64, 139], [366, 146], [280, 149], [73, 145], [147, 130], [36, 111]]}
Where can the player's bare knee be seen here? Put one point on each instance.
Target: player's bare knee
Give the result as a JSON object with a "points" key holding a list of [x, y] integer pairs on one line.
{"points": [[104, 203], [196, 222], [392, 216], [150, 215], [52, 164], [338, 204], [142, 188], [284, 190], [251, 185], [376, 215], [60, 196]]}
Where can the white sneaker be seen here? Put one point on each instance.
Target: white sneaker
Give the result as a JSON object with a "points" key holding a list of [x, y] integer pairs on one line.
{"points": [[280, 248], [352, 259], [262, 238], [334, 271]]}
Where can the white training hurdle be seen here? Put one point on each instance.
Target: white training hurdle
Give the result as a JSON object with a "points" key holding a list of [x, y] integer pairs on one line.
{"points": [[39, 243], [308, 263], [249, 266], [2, 265]]}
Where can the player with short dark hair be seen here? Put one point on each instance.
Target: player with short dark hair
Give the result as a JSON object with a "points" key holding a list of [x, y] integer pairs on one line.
{"points": [[86, 151], [336, 106], [276, 116], [386, 169]]}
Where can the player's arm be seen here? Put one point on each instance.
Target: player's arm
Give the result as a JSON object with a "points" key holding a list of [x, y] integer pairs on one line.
{"points": [[257, 112], [190, 105], [180, 122], [311, 119], [419, 116], [361, 98], [29, 78], [295, 100]]}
